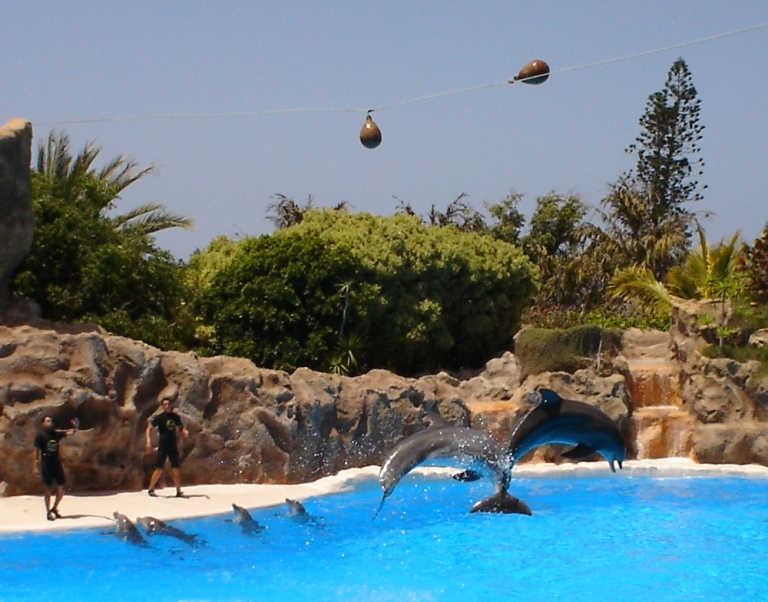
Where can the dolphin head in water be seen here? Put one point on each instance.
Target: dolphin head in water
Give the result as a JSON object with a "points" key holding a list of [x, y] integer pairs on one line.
{"points": [[150, 523]]}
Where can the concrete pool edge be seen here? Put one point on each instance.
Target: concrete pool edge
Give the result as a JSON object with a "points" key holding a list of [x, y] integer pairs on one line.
{"points": [[26, 513]]}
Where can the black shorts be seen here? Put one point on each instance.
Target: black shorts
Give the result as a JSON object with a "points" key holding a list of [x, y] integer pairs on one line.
{"points": [[170, 452], [52, 471]]}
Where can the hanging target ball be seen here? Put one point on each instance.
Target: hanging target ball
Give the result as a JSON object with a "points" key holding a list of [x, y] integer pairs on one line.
{"points": [[370, 134], [533, 72]]}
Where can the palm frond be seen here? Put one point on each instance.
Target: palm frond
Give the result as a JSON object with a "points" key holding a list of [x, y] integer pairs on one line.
{"points": [[149, 219], [639, 283]]}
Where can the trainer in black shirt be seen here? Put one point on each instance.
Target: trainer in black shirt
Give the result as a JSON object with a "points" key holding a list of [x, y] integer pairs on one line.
{"points": [[167, 423], [48, 463]]}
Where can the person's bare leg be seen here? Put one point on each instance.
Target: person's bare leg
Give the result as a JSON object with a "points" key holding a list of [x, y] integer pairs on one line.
{"points": [[153, 480], [59, 495], [47, 497], [176, 480]]}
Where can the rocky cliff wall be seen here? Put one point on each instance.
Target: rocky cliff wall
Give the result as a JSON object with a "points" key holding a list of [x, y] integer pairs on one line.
{"points": [[17, 222], [249, 424]]}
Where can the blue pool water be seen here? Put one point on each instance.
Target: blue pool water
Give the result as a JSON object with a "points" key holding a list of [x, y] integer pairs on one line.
{"points": [[594, 538]]}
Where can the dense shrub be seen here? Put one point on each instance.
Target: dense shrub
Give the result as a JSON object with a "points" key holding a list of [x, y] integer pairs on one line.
{"points": [[563, 350]]}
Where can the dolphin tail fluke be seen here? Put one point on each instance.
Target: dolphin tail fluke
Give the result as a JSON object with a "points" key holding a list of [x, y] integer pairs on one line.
{"points": [[502, 502], [381, 505]]}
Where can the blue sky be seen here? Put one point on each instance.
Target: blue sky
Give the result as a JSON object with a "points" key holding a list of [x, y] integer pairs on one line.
{"points": [[80, 61]]}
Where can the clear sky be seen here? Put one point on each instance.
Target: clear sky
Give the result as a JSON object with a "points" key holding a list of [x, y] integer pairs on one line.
{"points": [[67, 64]]}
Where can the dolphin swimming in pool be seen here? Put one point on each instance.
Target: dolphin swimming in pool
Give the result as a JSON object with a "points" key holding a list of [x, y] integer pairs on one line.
{"points": [[298, 512], [154, 526], [558, 420], [127, 530], [462, 446], [247, 523]]}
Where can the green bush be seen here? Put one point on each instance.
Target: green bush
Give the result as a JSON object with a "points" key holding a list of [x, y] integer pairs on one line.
{"points": [[350, 293], [276, 301], [445, 298], [563, 350]]}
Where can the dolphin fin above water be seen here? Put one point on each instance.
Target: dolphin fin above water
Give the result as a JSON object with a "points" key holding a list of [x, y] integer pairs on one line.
{"points": [[467, 476]]}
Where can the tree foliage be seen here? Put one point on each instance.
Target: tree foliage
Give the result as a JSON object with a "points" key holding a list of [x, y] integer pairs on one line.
{"points": [[369, 292], [276, 301], [754, 263], [645, 215], [707, 273], [554, 242], [445, 298], [667, 148], [88, 265], [507, 221]]}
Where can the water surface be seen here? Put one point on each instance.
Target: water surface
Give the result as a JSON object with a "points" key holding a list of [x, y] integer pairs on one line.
{"points": [[590, 538]]}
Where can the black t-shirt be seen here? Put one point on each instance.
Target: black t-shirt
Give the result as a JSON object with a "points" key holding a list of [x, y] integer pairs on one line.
{"points": [[167, 423], [47, 442]]}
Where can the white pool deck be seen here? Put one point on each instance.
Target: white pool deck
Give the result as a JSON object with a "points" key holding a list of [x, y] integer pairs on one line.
{"points": [[27, 513]]}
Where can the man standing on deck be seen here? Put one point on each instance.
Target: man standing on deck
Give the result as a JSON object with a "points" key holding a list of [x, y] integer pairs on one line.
{"points": [[48, 463], [167, 423]]}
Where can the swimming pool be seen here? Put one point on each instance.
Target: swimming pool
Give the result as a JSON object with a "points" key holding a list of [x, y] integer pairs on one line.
{"points": [[590, 538]]}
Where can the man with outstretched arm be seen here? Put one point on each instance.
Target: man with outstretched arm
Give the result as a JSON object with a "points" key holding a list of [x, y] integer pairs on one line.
{"points": [[48, 462]]}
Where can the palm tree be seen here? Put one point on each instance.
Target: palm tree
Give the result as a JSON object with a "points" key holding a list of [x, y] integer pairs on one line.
{"points": [[89, 263], [74, 177], [707, 273], [632, 230]]}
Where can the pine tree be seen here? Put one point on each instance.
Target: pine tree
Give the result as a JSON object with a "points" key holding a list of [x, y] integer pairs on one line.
{"points": [[667, 148], [647, 222]]}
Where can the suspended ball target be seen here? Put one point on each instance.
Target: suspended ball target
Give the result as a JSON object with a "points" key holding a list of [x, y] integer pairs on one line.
{"points": [[370, 134], [533, 72]]}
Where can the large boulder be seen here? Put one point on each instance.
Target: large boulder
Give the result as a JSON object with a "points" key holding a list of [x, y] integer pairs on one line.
{"points": [[16, 217]]}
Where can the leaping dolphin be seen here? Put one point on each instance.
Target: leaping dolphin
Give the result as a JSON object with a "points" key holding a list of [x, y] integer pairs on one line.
{"points": [[558, 420], [464, 446]]}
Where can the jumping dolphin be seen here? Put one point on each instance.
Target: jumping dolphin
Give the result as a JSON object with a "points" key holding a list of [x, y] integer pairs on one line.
{"points": [[154, 526], [463, 446], [558, 420], [247, 523], [127, 530]]}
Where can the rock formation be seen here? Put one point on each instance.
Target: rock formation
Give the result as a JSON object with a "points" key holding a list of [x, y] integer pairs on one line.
{"points": [[249, 424], [16, 217]]}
